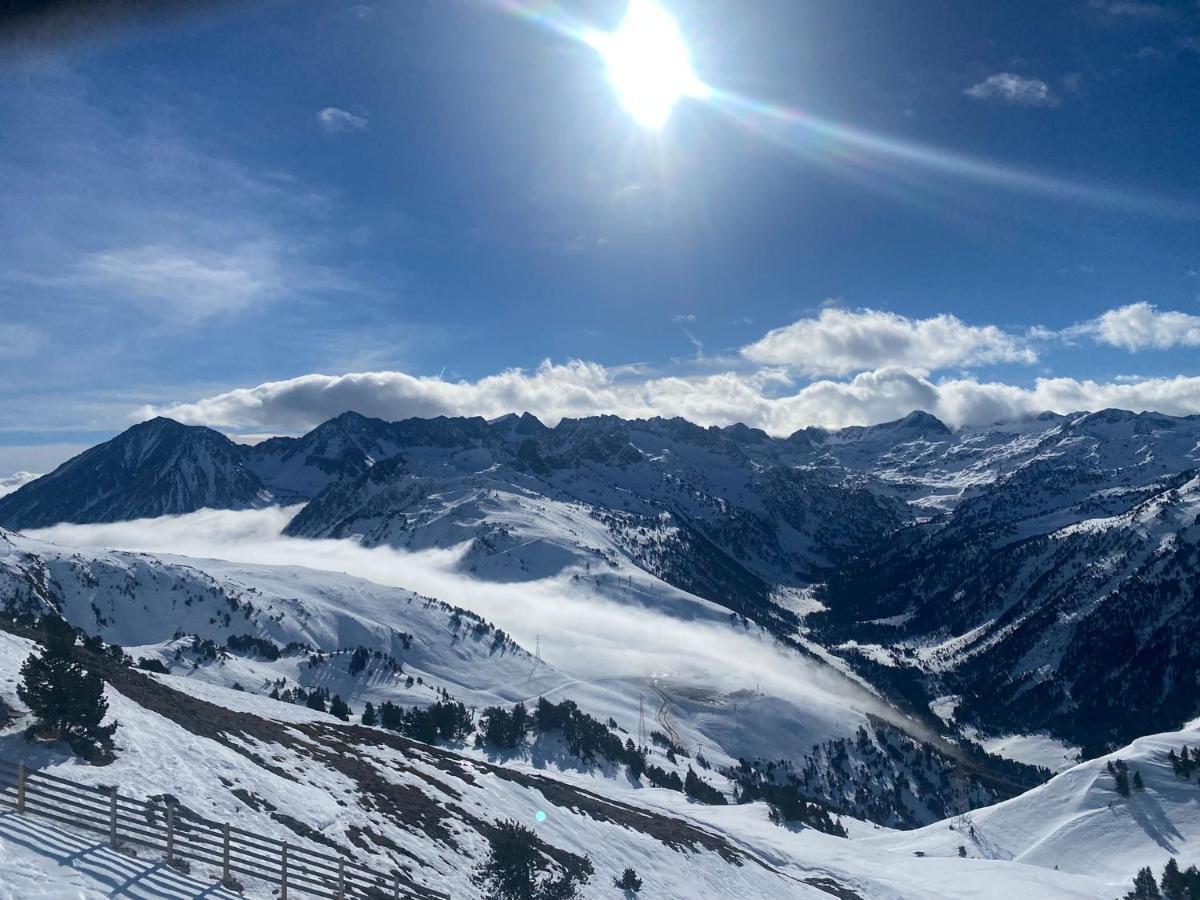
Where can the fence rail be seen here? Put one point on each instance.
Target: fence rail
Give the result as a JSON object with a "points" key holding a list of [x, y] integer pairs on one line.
{"points": [[160, 824]]}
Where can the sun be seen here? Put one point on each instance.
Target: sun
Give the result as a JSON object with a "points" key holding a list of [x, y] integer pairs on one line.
{"points": [[648, 63]]}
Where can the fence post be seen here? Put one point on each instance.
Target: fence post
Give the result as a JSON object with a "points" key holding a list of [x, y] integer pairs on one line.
{"points": [[112, 818], [283, 873], [170, 833], [225, 877], [341, 891], [20, 787]]}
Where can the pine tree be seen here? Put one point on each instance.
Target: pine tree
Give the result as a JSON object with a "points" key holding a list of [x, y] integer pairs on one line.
{"points": [[1138, 784], [391, 716], [359, 660], [1144, 887], [512, 869], [1191, 881], [1173, 883], [315, 700], [699, 789], [369, 716], [1122, 779], [67, 700], [339, 708], [628, 881]]}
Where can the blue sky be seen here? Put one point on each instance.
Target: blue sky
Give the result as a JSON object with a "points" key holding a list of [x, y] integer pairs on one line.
{"points": [[256, 217]]}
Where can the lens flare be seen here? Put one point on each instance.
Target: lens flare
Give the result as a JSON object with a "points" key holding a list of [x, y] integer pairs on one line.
{"points": [[862, 151], [650, 69], [648, 63]]}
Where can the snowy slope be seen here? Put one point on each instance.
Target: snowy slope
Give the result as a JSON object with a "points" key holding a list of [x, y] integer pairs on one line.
{"points": [[41, 860], [1064, 618], [714, 513], [426, 809], [1079, 823], [157, 604], [627, 648], [691, 658]]}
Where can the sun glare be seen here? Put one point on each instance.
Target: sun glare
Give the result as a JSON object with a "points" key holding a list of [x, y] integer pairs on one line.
{"points": [[648, 63]]}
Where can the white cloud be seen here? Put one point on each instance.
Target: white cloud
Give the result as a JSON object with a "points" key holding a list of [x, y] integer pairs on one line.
{"points": [[1014, 89], [841, 341], [335, 120], [1142, 326], [10, 483], [767, 399], [187, 281]]}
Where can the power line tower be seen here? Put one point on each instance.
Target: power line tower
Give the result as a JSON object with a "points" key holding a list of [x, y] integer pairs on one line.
{"points": [[537, 655]]}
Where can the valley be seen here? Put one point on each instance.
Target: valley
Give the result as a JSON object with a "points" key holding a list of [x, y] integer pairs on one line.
{"points": [[826, 631]]}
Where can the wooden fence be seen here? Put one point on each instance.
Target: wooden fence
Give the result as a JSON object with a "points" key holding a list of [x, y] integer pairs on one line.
{"points": [[184, 837]]}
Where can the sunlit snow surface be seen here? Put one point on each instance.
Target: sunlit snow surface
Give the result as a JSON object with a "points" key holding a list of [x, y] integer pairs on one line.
{"points": [[158, 756], [616, 638]]}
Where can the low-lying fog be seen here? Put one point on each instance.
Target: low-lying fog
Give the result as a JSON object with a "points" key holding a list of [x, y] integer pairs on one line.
{"points": [[584, 633]]}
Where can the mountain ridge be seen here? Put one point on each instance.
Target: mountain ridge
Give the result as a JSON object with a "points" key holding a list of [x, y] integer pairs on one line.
{"points": [[978, 563]]}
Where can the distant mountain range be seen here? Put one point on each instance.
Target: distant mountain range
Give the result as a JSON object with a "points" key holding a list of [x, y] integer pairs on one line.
{"points": [[1040, 574], [1064, 596]]}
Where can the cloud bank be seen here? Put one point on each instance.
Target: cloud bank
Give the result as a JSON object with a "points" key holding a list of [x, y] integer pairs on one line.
{"points": [[841, 341], [10, 483], [837, 368], [595, 635], [769, 399]]}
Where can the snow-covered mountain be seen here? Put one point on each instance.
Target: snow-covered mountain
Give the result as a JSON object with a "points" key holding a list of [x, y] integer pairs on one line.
{"points": [[155, 468], [161, 467], [237, 643], [1019, 583], [720, 515], [233, 638], [938, 469], [1059, 598], [160, 604], [425, 809], [984, 565], [343, 448], [728, 514]]}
